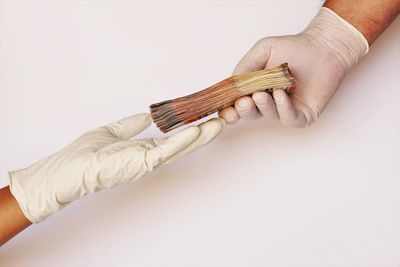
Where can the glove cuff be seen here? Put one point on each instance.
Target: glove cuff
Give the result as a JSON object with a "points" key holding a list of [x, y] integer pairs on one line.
{"points": [[26, 191], [339, 36]]}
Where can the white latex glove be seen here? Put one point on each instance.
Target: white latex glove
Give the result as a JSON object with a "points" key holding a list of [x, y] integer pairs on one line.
{"points": [[318, 58], [100, 159]]}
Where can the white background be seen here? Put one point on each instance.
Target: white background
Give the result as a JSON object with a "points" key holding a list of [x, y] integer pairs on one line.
{"points": [[260, 195]]}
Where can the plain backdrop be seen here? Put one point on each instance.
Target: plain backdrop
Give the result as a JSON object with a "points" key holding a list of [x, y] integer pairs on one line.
{"points": [[259, 195]]}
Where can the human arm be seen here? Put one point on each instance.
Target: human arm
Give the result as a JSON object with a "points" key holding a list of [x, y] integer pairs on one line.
{"points": [[370, 17], [12, 220], [319, 58], [99, 159]]}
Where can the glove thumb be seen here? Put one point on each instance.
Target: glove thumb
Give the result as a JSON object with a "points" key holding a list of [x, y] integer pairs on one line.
{"points": [[255, 59], [130, 126]]}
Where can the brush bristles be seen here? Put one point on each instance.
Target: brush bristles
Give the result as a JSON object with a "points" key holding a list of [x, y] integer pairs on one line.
{"points": [[171, 114]]}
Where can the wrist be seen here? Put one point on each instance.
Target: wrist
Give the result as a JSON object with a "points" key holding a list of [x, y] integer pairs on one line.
{"points": [[339, 37], [370, 17], [27, 192], [12, 220]]}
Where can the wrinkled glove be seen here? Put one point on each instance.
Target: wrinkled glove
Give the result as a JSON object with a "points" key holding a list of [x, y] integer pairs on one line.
{"points": [[319, 57], [100, 159]]}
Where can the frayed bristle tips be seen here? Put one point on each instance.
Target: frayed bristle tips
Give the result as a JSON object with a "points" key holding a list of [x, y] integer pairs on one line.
{"points": [[171, 114]]}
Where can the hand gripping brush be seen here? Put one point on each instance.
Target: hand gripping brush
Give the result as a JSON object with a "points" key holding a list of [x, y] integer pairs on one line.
{"points": [[174, 113]]}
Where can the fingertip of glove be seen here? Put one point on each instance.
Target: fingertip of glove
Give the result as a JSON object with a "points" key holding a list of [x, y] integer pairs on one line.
{"points": [[279, 96], [229, 115], [137, 119], [144, 118], [206, 132], [190, 134], [221, 121], [260, 97], [244, 103], [130, 126], [212, 127], [172, 145]]}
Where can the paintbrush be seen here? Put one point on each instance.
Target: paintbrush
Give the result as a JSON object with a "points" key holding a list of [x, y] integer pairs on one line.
{"points": [[174, 113]]}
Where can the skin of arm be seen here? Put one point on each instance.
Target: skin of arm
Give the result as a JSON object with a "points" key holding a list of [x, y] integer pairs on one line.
{"points": [[12, 220], [370, 17]]}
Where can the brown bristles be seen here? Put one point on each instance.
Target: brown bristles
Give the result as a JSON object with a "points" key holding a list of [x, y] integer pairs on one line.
{"points": [[171, 114]]}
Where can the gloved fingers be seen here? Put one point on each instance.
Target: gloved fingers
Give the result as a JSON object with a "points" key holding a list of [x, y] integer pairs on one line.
{"points": [[208, 131], [266, 105], [123, 129], [287, 112], [229, 114], [132, 159], [255, 59], [130, 126], [171, 146], [116, 166], [123, 145], [246, 108]]}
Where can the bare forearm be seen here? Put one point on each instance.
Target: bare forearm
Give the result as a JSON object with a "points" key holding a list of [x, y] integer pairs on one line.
{"points": [[12, 220], [370, 17]]}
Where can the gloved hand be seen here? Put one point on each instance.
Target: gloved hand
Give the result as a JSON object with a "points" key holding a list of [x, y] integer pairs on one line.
{"points": [[100, 159], [318, 58]]}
